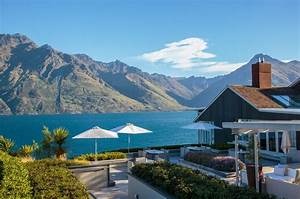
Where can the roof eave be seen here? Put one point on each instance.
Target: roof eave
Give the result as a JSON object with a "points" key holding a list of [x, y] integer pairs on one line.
{"points": [[294, 111]]}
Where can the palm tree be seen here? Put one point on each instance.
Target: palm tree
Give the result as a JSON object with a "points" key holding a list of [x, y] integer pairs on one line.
{"points": [[46, 147], [59, 136], [6, 144]]}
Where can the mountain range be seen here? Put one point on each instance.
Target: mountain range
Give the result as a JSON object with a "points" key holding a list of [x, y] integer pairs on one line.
{"points": [[42, 80]]}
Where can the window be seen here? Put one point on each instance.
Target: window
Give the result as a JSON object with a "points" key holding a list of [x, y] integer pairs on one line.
{"points": [[272, 141], [263, 141], [279, 141], [205, 137], [298, 140], [289, 101]]}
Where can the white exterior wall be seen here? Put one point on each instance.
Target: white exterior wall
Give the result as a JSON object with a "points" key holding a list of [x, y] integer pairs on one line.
{"points": [[139, 190]]}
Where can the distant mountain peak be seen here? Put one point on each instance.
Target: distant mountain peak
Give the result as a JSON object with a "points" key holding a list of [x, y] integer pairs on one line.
{"points": [[260, 56], [46, 46], [118, 62], [14, 39]]}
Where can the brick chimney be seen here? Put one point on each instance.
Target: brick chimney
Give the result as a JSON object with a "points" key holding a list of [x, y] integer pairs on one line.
{"points": [[261, 75]]}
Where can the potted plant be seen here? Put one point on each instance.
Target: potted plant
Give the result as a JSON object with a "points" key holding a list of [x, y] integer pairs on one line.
{"points": [[250, 162]]}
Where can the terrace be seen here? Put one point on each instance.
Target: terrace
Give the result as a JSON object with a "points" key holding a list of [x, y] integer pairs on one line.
{"points": [[113, 175]]}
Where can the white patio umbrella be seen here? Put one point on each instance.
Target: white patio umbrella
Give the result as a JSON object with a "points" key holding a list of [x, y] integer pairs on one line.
{"points": [[201, 126], [130, 129], [285, 142], [96, 133]]}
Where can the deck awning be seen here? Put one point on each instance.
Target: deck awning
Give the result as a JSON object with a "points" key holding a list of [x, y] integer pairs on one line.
{"points": [[253, 127], [289, 125]]}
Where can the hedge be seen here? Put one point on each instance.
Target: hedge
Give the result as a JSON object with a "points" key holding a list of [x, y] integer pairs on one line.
{"points": [[184, 183], [14, 178], [101, 156], [52, 179]]}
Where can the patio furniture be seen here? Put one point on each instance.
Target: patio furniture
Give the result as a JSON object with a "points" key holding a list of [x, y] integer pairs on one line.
{"points": [[282, 173], [154, 154], [282, 189]]}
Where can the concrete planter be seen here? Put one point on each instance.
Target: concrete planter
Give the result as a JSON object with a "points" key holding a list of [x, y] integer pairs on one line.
{"points": [[217, 151], [139, 189], [93, 177]]}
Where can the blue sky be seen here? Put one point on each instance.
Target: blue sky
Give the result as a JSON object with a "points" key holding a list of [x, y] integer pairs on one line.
{"points": [[178, 37]]}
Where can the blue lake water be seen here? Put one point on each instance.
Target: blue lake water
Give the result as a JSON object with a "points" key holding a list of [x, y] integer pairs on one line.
{"points": [[165, 126]]}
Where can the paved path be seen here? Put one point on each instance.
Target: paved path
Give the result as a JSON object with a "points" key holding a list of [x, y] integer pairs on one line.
{"points": [[120, 190]]}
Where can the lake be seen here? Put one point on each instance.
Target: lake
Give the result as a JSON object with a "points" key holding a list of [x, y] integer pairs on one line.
{"points": [[165, 126]]}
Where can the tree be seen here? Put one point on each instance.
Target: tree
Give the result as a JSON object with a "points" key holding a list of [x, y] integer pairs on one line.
{"points": [[59, 136], [6, 144], [46, 144]]}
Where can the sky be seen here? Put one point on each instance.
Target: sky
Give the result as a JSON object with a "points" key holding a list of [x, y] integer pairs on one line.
{"points": [[172, 37]]}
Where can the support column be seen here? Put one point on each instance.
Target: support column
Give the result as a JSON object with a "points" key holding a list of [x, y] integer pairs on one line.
{"points": [[267, 141], [277, 141], [256, 163], [236, 152]]}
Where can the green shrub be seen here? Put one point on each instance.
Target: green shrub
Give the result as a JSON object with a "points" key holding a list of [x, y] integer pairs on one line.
{"points": [[184, 183], [52, 179], [14, 178], [6, 144], [101, 156]]}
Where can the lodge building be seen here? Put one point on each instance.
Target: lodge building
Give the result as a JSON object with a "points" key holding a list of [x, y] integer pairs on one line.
{"points": [[260, 101]]}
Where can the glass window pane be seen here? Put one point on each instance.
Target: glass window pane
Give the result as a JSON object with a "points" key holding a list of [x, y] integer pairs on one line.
{"points": [[272, 141], [290, 101], [263, 141], [298, 140], [279, 141]]}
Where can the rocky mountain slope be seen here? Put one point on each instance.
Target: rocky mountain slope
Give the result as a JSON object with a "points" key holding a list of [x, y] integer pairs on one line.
{"points": [[39, 79]]}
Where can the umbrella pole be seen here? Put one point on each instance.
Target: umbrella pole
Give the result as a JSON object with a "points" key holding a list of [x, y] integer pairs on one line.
{"points": [[95, 149], [128, 143]]}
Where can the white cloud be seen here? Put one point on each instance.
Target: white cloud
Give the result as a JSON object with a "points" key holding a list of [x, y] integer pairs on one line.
{"points": [[189, 54], [182, 54], [221, 67]]}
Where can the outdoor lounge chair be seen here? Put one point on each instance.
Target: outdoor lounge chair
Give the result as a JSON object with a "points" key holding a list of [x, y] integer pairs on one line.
{"points": [[284, 182]]}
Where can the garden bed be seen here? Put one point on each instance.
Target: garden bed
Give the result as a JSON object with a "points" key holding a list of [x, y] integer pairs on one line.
{"points": [[219, 163], [185, 183], [208, 169]]}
